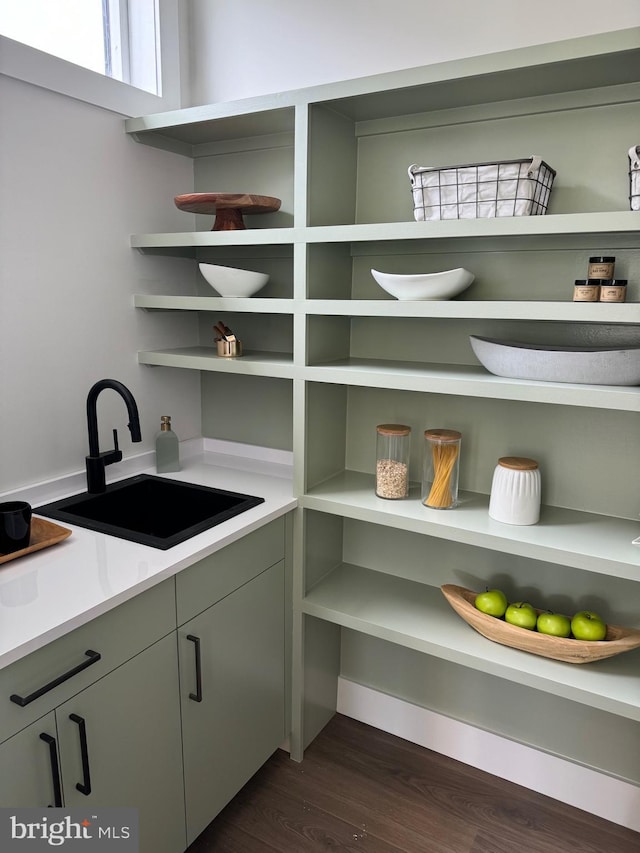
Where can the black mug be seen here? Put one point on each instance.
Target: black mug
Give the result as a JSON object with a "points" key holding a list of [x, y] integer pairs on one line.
{"points": [[15, 526]]}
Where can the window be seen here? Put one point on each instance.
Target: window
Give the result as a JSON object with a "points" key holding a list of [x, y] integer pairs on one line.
{"points": [[47, 27], [65, 44]]}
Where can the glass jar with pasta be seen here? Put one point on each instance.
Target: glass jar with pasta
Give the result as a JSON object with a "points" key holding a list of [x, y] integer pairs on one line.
{"points": [[441, 462]]}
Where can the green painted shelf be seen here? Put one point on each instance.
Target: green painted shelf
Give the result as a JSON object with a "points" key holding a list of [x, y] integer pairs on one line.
{"points": [[213, 303], [530, 227], [595, 543], [207, 239], [570, 312], [417, 616], [205, 358], [471, 381], [623, 222]]}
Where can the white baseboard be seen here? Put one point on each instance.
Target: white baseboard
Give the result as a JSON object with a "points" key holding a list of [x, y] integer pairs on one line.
{"points": [[582, 787]]}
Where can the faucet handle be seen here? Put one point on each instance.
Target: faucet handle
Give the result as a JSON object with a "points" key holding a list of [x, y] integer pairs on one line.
{"points": [[111, 456], [114, 455]]}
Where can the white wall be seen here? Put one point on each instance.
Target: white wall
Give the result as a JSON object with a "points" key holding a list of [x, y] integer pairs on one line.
{"points": [[74, 188], [254, 47]]}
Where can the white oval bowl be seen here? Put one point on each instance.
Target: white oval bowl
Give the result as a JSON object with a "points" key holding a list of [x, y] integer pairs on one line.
{"points": [[581, 365], [229, 281], [437, 285]]}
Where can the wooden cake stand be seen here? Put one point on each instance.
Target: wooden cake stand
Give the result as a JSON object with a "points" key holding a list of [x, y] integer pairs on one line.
{"points": [[227, 208]]}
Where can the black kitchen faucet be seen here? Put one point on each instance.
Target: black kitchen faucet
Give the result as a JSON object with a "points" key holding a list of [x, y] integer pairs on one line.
{"points": [[96, 462]]}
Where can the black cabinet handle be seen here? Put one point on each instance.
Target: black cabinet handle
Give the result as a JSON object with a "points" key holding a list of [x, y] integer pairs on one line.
{"points": [[55, 769], [197, 696], [94, 657], [85, 786]]}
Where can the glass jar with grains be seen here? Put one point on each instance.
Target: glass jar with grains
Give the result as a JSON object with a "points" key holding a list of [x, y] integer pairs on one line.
{"points": [[392, 461]]}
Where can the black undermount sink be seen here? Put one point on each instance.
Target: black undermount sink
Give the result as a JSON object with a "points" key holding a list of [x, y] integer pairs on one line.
{"points": [[150, 510]]}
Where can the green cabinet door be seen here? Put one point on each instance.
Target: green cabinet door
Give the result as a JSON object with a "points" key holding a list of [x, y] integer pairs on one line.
{"points": [[27, 766], [232, 693], [131, 721]]}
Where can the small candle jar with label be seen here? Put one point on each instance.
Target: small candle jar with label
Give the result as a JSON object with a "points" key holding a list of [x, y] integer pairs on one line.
{"points": [[601, 267], [614, 290], [586, 290]]}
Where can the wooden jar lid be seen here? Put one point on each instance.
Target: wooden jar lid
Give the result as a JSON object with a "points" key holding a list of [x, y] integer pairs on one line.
{"points": [[444, 435], [518, 463], [393, 429]]}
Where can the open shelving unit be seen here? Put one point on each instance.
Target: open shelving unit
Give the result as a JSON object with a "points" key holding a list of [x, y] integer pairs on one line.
{"points": [[329, 355]]}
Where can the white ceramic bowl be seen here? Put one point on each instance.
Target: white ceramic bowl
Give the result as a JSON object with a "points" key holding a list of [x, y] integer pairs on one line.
{"points": [[582, 365], [437, 285], [229, 281]]}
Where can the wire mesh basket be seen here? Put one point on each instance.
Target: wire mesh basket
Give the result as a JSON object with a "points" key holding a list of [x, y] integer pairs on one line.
{"points": [[634, 177], [481, 190]]}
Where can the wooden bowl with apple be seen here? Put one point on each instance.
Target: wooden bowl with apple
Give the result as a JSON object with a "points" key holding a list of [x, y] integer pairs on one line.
{"points": [[618, 639]]}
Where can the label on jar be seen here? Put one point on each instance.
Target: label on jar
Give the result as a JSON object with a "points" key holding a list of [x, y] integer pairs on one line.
{"points": [[600, 270], [586, 293], [613, 293]]}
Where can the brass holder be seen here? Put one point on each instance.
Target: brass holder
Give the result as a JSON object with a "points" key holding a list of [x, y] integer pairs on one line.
{"points": [[229, 349]]}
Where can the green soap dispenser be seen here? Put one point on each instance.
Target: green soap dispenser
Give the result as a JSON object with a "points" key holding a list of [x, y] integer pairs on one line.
{"points": [[167, 448]]}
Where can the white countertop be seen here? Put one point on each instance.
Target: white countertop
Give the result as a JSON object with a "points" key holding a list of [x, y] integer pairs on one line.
{"points": [[48, 593]]}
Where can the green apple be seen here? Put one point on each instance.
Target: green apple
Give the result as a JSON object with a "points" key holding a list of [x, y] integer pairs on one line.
{"points": [[554, 624], [522, 614], [493, 602], [587, 625]]}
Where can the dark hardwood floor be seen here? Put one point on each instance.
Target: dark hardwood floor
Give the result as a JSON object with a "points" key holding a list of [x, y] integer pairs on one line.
{"points": [[360, 789]]}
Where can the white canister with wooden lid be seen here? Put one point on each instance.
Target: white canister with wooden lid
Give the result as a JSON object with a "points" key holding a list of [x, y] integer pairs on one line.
{"points": [[515, 491]]}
